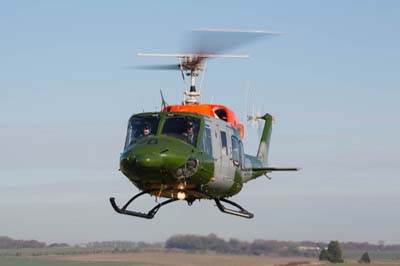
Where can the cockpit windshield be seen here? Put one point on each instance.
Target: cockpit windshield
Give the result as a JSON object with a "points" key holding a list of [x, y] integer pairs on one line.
{"points": [[141, 126], [183, 127]]}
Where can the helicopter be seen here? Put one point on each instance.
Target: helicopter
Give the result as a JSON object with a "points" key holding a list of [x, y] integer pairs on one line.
{"points": [[193, 150]]}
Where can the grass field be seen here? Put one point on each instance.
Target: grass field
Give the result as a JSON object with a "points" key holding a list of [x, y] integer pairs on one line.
{"points": [[376, 263], [40, 262], [176, 258], [179, 258], [76, 257], [24, 252], [374, 255]]}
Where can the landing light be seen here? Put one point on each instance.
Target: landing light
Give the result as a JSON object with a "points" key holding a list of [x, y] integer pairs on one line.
{"points": [[181, 195]]}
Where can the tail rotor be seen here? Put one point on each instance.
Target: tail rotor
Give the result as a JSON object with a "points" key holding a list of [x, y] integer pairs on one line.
{"points": [[253, 113]]}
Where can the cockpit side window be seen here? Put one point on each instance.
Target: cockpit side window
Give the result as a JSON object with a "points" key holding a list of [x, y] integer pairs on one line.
{"points": [[224, 142], [206, 143], [242, 156], [235, 151], [141, 126], [182, 127]]}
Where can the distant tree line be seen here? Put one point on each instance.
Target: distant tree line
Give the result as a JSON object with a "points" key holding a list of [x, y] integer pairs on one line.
{"points": [[235, 246], [58, 245], [112, 244], [8, 242], [124, 245], [270, 247], [212, 243], [369, 247]]}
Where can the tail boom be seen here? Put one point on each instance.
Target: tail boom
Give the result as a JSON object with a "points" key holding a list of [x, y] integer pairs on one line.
{"points": [[258, 165]]}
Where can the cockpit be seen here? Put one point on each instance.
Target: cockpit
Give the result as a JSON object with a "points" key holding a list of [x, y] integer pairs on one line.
{"points": [[182, 127], [141, 126], [176, 125]]}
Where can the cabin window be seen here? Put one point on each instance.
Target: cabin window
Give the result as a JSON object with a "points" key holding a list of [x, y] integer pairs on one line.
{"points": [[224, 143], [235, 151], [181, 127], [141, 126], [221, 114], [206, 144]]}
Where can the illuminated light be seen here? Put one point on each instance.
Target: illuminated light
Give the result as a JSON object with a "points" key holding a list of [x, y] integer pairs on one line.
{"points": [[181, 195], [181, 186]]}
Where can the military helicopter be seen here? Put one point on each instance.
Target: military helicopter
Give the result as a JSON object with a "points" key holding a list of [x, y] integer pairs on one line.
{"points": [[193, 151]]}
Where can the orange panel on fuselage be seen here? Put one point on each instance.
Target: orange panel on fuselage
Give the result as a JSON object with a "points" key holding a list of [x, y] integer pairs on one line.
{"points": [[213, 110]]}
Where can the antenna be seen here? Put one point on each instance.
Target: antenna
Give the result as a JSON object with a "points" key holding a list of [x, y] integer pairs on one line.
{"points": [[163, 102]]}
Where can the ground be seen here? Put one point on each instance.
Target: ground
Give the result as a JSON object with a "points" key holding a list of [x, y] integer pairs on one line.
{"points": [[176, 258]]}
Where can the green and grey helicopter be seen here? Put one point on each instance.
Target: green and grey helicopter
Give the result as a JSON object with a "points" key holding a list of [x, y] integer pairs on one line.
{"points": [[192, 151]]}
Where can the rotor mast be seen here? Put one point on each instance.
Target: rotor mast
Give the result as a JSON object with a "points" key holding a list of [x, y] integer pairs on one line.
{"points": [[192, 66], [192, 95]]}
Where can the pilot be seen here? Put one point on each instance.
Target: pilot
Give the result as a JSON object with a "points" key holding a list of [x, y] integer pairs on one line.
{"points": [[146, 129], [189, 132]]}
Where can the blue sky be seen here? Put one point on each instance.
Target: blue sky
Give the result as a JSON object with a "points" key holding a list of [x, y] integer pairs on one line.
{"points": [[331, 83]]}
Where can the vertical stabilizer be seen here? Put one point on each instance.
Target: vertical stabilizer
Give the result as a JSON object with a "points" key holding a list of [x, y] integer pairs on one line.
{"points": [[263, 149]]}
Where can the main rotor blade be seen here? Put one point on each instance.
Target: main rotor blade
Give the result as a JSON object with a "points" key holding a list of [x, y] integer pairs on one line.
{"points": [[216, 41], [155, 67], [192, 55]]}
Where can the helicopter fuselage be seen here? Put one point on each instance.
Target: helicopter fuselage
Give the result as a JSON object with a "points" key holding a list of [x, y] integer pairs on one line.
{"points": [[188, 156], [193, 150], [211, 163]]}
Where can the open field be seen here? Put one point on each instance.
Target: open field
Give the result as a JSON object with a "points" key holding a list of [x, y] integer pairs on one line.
{"points": [[157, 258], [40, 262], [75, 257], [374, 263], [180, 258], [374, 255]]}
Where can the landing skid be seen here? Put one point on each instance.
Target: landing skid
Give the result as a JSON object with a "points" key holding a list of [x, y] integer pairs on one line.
{"points": [[241, 212], [149, 215]]}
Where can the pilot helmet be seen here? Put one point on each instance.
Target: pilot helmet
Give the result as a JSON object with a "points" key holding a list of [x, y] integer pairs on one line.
{"points": [[147, 126], [188, 124]]}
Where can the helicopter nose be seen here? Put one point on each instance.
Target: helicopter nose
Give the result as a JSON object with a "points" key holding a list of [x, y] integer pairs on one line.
{"points": [[134, 162], [156, 157], [152, 161]]}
